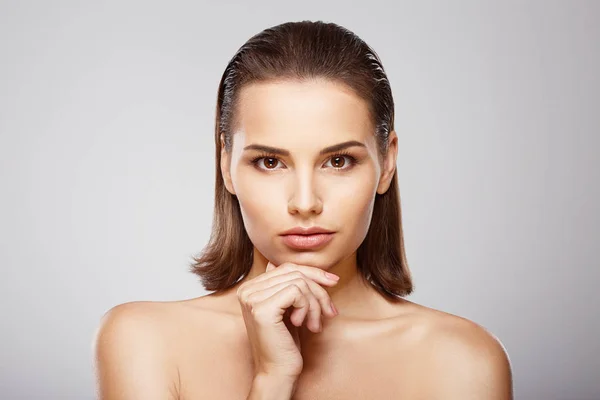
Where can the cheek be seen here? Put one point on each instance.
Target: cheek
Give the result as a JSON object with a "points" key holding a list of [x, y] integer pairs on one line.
{"points": [[261, 203], [352, 206]]}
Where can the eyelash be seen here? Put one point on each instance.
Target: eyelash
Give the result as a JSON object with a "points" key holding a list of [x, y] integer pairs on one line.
{"points": [[353, 160]]}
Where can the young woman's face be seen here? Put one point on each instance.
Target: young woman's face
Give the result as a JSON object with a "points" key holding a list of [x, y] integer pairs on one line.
{"points": [[300, 185]]}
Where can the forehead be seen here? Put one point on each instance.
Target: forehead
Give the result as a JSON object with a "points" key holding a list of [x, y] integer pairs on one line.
{"points": [[316, 110]]}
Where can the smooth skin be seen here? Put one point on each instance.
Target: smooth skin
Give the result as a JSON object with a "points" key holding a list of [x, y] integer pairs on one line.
{"points": [[374, 349], [274, 336]]}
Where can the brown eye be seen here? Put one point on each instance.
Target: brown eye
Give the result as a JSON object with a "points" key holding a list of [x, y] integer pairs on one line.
{"points": [[336, 163], [269, 162]]}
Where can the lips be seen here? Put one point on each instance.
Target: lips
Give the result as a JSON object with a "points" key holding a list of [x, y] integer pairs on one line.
{"points": [[304, 242], [304, 238], [299, 230]]}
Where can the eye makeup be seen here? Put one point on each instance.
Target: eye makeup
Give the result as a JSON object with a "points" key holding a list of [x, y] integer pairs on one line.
{"points": [[341, 154]]}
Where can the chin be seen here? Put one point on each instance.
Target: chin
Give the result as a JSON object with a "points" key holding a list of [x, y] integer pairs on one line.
{"points": [[317, 259]]}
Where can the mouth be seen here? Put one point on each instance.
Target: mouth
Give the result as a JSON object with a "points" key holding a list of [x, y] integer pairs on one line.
{"points": [[312, 241]]}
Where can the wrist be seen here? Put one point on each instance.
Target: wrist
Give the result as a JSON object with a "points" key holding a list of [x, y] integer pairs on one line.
{"points": [[272, 387]]}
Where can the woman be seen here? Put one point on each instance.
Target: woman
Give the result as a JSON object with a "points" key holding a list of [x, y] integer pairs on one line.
{"points": [[306, 184]]}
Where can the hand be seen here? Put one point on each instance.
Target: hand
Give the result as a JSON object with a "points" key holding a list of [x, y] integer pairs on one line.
{"points": [[272, 328]]}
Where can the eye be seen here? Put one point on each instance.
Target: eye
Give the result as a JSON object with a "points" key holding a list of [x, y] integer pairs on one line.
{"points": [[338, 161], [267, 162]]}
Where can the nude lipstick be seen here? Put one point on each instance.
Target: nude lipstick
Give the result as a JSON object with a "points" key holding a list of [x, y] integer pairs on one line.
{"points": [[307, 238]]}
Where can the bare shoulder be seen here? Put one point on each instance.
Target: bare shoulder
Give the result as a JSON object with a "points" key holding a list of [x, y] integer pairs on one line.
{"points": [[165, 350], [132, 354], [466, 359]]}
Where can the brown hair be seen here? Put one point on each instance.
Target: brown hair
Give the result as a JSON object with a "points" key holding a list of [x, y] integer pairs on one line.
{"points": [[298, 51]]}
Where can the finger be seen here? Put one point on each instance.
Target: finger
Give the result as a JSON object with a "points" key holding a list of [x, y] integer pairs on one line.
{"points": [[311, 307], [318, 291], [297, 315], [316, 274]]}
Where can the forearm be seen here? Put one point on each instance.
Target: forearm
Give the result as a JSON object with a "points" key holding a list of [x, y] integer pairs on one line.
{"points": [[265, 387]]}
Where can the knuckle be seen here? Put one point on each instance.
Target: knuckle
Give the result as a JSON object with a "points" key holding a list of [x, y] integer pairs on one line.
{"points": [[301, 283], [256, 312], [250, 300], [295, 288], [297, 274], [323, 297], [240, 290]]}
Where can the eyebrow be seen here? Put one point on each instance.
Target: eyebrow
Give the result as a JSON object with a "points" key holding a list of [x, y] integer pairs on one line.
{"points": [[326, 150]]}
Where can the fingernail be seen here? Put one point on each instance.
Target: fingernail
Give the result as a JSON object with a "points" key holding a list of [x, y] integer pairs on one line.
{"points": [[335, 311], [332, 276]]}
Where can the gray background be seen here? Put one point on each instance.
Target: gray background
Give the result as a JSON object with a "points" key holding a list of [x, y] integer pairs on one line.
{"points": [[106, 179]]}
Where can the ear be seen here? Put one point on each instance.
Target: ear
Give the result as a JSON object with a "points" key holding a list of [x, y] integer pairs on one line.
{"points": [[389, 164], [225, 167]]}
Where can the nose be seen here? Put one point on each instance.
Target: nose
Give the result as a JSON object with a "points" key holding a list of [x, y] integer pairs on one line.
{"points": [[303, 199]]}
